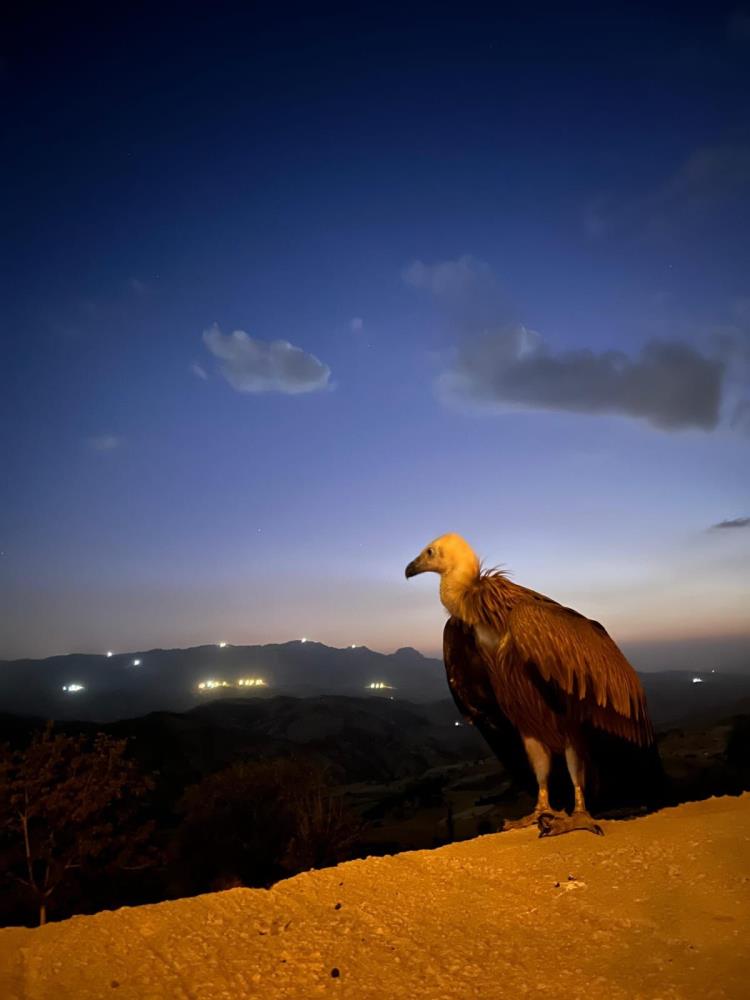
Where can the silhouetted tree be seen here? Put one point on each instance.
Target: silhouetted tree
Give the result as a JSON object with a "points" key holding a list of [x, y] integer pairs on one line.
{"points": [[738, 744], [66, 803], [258, 820], [323, 829], [450, 824]]}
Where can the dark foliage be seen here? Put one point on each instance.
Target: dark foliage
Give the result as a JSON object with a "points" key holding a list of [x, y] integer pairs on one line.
{"points": [[256, 821], [69, 808], [247, 793]]}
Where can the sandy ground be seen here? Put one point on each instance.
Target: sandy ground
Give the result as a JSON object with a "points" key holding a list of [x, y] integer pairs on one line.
{"points": [[657, 908]]}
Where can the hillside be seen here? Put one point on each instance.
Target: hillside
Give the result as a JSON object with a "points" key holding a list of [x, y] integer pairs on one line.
{"points": [[659, 907], [357, 739]]}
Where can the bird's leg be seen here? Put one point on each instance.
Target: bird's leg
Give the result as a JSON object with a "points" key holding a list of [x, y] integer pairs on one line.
{"points": [[580, 819], [540, 759]]}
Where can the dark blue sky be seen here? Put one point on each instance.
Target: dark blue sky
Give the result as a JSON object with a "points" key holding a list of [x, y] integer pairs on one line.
{"points": [[506, 257]]}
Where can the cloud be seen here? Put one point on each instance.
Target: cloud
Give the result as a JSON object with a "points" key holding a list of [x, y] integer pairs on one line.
{"points": [[670, 385], [198, 370], [500, 364], [137, 286], [104, 442], [356, 324], [737, 522], [448, 277], [251, 365]]}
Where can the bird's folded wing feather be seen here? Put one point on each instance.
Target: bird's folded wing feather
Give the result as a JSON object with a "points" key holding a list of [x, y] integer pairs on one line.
{"points": [[578, 657]]}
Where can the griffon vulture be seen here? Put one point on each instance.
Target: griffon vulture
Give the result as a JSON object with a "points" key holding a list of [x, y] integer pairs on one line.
{"points": [[516, 657]]}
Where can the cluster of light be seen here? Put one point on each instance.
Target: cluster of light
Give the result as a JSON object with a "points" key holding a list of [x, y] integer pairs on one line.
{"points": [[303, 639], [251, 682], [353, 646], [456, 723], [136, 663], [210, 685], [221, 645], [697, 680], [109, 653], [72, 688], [380, 686]]}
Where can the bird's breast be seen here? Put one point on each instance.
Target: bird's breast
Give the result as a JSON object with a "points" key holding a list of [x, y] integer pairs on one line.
{"points": [[487, 638]]}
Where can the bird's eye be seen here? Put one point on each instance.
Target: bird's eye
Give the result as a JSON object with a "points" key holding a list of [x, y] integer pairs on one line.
{"points": [[430, 552]]}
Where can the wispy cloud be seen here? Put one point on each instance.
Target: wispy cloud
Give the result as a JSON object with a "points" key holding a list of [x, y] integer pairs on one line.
{"points": [[198, 370], [737, 522], [104, 442], [137, 286], [356, 324], [448, 277], [254, 366], [708, 183], [732, 343], [740, 416], [738, 26], [466, 290]]}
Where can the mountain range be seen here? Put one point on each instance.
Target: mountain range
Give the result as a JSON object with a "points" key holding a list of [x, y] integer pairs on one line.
{"points": [[124, 685]]}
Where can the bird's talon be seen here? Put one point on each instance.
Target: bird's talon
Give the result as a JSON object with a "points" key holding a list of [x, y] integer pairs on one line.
{"points": [[553, 826], [545, 821]]}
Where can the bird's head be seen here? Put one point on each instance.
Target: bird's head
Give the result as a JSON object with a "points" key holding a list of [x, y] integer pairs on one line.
{"points": [[449, 555]]}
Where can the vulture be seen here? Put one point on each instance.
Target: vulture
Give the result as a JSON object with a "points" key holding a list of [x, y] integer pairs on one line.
{"points": [[519, 661]]}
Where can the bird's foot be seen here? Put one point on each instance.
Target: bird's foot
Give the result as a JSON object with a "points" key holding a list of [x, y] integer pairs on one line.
{"points": [[553, 824], [531, 820]]}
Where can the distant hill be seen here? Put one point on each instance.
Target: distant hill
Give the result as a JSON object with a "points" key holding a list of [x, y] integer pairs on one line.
{"points": [[130, 684], [126, 685]]}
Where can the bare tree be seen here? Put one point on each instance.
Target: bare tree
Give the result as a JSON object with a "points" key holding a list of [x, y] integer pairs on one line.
{"points": [[68, 802]]}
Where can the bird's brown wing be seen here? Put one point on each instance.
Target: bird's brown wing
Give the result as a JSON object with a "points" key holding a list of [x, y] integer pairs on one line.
{"points": [[575, 657]]}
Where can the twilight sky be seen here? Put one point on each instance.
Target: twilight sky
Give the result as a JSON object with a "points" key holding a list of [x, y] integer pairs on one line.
{"points": [[289, 295]]}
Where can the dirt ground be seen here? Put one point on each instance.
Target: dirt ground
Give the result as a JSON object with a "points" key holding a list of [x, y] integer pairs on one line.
{"points": [[657, 908]]}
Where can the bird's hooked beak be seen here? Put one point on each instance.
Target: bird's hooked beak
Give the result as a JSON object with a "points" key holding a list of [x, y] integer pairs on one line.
{"points": [[415, 567]]}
